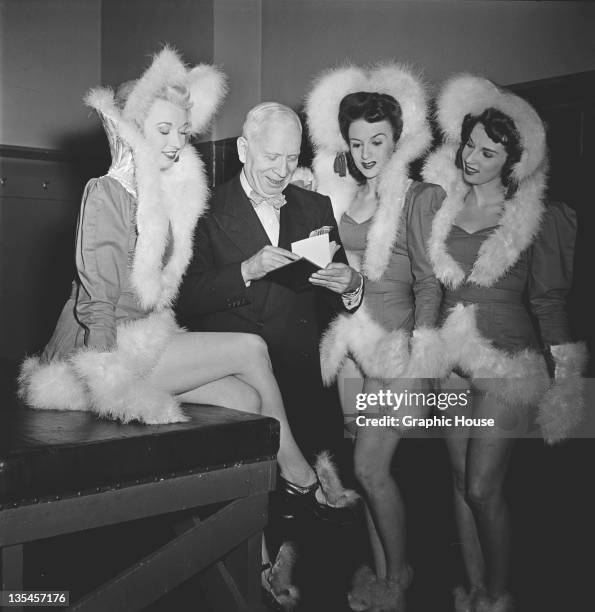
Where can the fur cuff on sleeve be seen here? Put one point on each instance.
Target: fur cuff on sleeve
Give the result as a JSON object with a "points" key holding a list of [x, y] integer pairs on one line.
{"points": [[561, 408], [428, 355]]}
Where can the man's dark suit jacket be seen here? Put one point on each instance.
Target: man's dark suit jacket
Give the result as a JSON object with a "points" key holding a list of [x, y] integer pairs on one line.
{"points": [[214, 298]]}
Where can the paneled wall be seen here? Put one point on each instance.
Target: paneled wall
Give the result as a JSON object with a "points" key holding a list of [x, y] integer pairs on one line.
{"points": [[39, 199], [567, 105], [49, 58]]}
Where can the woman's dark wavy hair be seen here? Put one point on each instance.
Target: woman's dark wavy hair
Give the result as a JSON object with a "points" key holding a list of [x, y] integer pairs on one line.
{"points": [[500, 128], [372, 107]]}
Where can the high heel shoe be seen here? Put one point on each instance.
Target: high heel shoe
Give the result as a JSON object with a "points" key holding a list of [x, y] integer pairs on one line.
{"points": [[325, 498]]}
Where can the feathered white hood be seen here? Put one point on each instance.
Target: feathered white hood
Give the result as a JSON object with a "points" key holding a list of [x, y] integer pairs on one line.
{"points": [[172, 198], [521, 218], [322, 109]]}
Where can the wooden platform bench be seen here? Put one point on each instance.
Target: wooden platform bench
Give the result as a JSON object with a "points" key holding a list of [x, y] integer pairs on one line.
{"points": [[67, 472]]}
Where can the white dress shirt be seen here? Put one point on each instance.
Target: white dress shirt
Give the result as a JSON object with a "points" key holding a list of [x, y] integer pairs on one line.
{"points": [[269, 217]]}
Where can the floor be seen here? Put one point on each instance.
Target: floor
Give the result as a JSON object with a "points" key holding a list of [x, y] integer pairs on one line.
{"points": [[550, 491]]}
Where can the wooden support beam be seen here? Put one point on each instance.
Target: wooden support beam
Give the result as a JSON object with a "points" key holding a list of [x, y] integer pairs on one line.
{"points": [[181, 558], [48, 519], [11, 571]]}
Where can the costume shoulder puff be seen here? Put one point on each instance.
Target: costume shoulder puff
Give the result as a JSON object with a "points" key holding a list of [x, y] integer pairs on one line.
{"points": [[558, 227], [430, 194]]}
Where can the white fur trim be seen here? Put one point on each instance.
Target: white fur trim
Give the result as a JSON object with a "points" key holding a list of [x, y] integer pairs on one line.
{"points": [[328, 475], [561, 410], [166, 69], [116, 392], [280, 578], [518, 379], [363, 583], [207, 86], [322, 105], [517, 228], [462, 600], [382, 235], [118, 380], [429, 355], [340, 189], [303, 177], [504, 603], [466, 94], [378, 353], [177, 196], [114, 384], [399, 81], [322, 109], [51, 386]]}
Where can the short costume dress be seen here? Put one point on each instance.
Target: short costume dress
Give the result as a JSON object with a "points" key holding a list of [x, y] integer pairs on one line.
{"points": [[525, 308], [408, 294], [102, 295]]}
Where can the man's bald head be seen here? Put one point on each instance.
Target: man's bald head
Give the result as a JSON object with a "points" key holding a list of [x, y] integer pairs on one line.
{"points": [[262, 116], [269, 147]]}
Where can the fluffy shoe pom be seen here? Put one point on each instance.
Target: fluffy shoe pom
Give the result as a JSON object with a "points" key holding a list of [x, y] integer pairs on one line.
{"points": [[336, 494], [360, 596], [502, 604], [279, 580]]}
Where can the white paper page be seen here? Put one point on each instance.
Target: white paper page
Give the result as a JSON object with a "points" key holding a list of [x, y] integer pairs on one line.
{"points": [[316, 249]]}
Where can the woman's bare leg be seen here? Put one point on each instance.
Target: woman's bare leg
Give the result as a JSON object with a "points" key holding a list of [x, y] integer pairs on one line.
{"points": [[194, 359], [350, 382], [374, 450], [487, 462], [457, 441]]}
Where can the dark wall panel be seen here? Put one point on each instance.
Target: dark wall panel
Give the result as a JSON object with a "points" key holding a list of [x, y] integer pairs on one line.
{"points": [[133, 30], [39, 203]]}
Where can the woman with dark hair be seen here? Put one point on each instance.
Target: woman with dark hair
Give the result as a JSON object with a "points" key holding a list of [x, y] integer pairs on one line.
{"points": [[503, 258], [367, 126]]}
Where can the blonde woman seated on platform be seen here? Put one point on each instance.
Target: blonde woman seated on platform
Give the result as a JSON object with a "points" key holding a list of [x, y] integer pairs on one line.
{"points": [[117, 349]]}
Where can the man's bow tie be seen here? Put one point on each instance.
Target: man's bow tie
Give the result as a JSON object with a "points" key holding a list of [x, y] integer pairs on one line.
{"points": [[275, 201]]}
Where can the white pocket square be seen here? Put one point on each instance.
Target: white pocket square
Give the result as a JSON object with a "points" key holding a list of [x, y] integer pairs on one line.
{"points": [[325, 229]]}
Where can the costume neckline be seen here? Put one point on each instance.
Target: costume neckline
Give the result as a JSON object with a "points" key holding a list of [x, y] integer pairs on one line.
{"points": [[368, 220], [491, 229]]}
